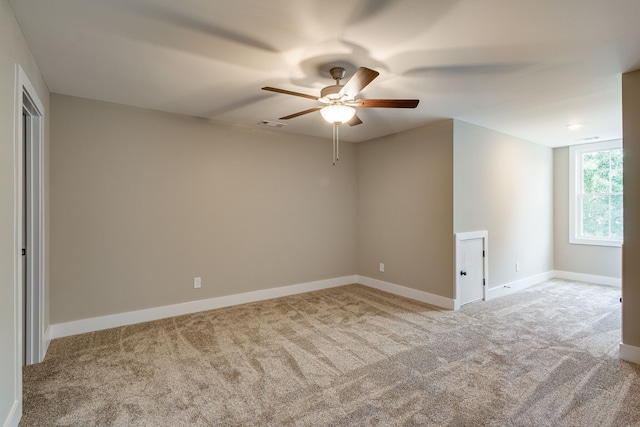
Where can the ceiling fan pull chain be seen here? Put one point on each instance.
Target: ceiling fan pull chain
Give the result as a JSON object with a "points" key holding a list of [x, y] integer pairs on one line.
{"points": [[337, 142], [334, 144]]}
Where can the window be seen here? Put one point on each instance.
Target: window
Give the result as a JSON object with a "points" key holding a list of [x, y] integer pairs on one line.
{"points": [[595, 208]]}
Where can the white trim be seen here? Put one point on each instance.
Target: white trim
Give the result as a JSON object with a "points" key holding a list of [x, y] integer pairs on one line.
{"points": [[468, 235], [518, 285], [575, 189], [35, 346], [13, 419], [22, 88], [47, 339], [484, 235], [17, 243], [75, 327], [411, 293], [59, 330], [590, 278], [630, 353]]}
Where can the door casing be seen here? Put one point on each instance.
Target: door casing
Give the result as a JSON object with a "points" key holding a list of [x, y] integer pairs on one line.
{"points": [[27, 102]]}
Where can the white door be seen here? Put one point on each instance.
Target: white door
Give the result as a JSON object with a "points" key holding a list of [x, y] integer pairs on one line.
{"points": [[471, 274]]}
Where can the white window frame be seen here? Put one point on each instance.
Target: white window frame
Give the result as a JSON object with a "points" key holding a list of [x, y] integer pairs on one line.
{"points": [[575, 189]]}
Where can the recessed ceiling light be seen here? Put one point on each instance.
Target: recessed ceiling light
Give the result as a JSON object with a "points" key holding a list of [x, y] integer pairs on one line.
{"points": [[574, 125]]}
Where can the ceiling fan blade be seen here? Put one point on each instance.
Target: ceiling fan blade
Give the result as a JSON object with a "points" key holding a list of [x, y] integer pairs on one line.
{"points": [[355, 121], [288, 92], [300, 113], [358, 81], [385, 103]]}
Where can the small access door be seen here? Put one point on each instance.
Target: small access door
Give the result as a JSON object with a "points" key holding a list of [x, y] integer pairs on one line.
{"points": [[471, 249]]}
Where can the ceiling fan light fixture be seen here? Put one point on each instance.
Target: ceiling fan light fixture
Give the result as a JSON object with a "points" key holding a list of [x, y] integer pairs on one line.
{"points": [[338, 113]]}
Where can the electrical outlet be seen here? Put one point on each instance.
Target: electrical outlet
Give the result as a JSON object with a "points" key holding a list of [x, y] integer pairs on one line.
{"points": [[382, 267], [197, 282], [517, 267]]}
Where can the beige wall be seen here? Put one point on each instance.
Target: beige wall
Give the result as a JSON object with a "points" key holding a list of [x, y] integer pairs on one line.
{"points": [[631, 249], [13, 49], [504, 185], [143, 202], [405, 209], [585, 259]]}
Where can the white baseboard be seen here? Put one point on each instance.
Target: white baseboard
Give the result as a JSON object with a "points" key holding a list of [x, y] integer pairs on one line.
{"points": [[411, 293], [13, 418], [518, 285], [630, 353], [75, 327], [590, 278], [122, 319], [47, 341]]}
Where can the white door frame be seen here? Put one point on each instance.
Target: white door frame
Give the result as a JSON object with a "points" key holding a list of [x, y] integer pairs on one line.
{"points": [[484, 235], [26, 99]]}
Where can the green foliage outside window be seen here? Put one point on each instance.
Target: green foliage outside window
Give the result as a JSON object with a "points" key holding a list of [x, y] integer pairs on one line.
{"points": [[602, 194]]}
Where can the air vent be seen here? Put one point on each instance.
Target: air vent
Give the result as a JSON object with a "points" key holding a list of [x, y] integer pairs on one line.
{"points": [[271, 124]]}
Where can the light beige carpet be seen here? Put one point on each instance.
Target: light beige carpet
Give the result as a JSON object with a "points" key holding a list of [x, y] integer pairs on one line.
{"points": [[350, 356]]}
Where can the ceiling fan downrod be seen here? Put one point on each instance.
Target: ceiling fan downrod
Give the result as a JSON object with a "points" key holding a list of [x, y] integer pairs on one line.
{"points": [[337, 74]]}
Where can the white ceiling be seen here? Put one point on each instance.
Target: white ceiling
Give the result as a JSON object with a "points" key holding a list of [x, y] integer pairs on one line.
{"points": [[523, 67]]}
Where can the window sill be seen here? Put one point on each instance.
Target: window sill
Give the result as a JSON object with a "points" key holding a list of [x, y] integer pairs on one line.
{"points": [[596, 242]]}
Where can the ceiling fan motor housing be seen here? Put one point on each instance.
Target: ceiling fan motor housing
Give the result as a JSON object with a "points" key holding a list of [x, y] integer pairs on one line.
{"points": [[331, 93]]}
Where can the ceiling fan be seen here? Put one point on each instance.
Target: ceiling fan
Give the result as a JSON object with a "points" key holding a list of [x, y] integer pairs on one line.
{"points": [[340, 101]]}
